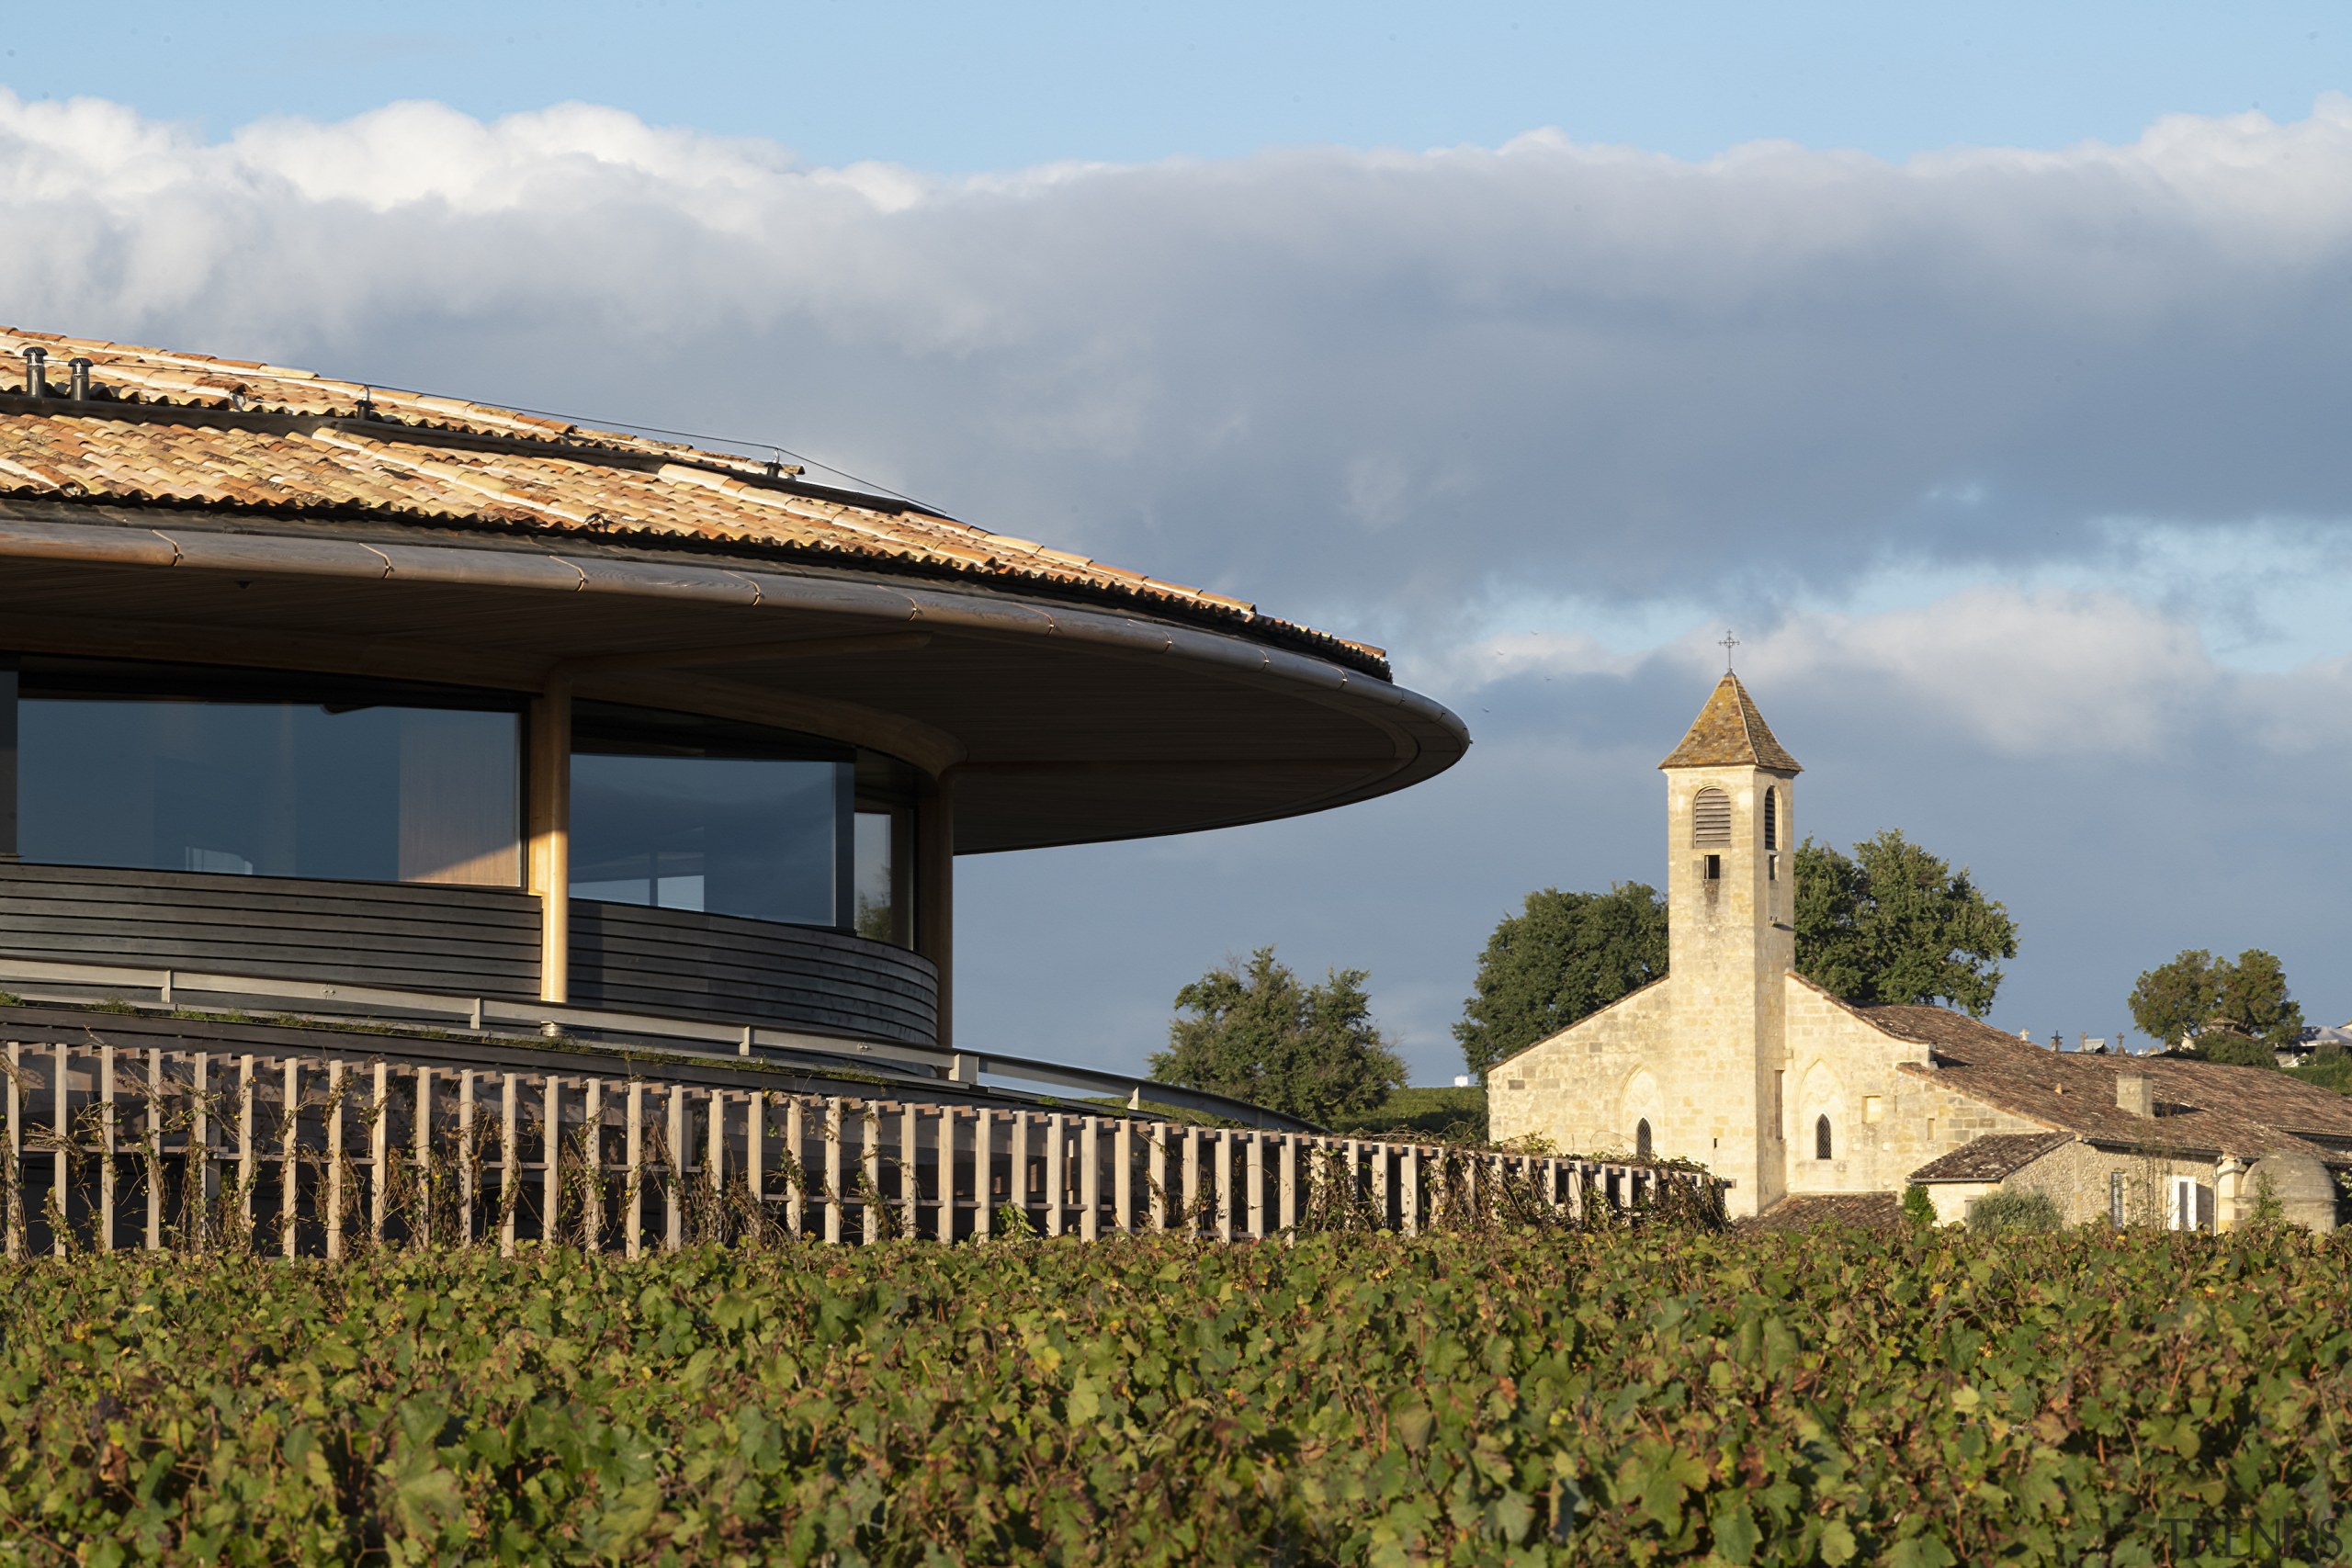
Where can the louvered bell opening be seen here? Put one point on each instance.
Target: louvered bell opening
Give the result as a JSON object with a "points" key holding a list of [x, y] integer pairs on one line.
{"points": [[1772, 819], [1711, 818]]}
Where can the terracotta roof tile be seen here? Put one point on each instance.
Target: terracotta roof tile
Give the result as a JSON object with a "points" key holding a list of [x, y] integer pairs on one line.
{"points": [[1878, 1212], [2200, 1106], [267, 439], [1991, 1158], [1729, 732]]}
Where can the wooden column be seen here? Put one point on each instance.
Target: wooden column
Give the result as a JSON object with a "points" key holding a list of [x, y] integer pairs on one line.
{"points": [[105, 1148], [935, 890], [154, 1149], [983, 1173], [14, 1218], [548, 770], [61, 1159], [333, 1180]]}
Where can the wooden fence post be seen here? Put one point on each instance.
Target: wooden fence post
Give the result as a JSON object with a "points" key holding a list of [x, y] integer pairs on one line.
{"points": [[380, 1152], [910, 1167], [246, 1174], [1123, 1186], [1090, 1179], [334, 1158], [289, 1153], [61, 1103], [1017, 1188], [105, 1148], [983, 1173], [551, 1179], [14, 1217], [674, 1214], [420, 1225], [1189, 1152], [1223, 1186], [1056, 1178], [796, 1166], [869, 1163], [592, 1158], [836, 1114], [633, 1213], [468, 1161], [155, 1148], [945, 1158], [755, 1167], [510, 1162], [1156, 1168], [1256, 1156]]}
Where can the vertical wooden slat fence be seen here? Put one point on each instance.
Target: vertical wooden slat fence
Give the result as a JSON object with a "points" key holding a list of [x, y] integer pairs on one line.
{"points": [[707, 1163]]}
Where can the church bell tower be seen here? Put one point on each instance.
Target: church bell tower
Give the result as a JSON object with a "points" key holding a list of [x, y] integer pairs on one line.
{"points": [[1731, 911]]}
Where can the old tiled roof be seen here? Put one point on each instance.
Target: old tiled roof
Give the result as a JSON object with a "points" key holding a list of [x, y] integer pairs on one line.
{"points": [[187, 430], [2201, 1107], [1879, 1212], [1992, 1158], [1729, 732]]}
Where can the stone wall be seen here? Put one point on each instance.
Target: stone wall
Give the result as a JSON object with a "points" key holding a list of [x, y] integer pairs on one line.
{"points": [[1584, 1088], [1885, 1123], [2076, 1178]]}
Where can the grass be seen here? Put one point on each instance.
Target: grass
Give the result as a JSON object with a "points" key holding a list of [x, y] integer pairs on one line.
{"points": [[1449, 1115]]}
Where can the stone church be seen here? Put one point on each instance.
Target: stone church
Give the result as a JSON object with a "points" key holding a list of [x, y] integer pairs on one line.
{"points": [[1807, 1103]]}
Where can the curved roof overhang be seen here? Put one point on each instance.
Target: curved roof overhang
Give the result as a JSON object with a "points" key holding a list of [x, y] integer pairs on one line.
{"points": [[1063, 723]]}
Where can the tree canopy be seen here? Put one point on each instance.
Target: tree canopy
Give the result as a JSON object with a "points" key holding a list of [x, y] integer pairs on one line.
{"points": [[1562, 956], [2238, 1012], [1896, 924], [1254, 1032]]}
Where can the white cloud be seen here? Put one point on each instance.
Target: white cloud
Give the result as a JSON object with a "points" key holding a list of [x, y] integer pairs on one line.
{"points": [[1373, 386]]}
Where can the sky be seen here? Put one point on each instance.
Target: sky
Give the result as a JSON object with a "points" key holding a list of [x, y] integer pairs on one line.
{"points": [[1982, 369]]}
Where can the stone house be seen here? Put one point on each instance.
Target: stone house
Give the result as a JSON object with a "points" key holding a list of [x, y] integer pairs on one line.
{"points": [[1736, 1062]]}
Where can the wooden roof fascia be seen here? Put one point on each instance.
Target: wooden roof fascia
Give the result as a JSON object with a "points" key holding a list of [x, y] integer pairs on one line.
{"points": [[1276, 636]]}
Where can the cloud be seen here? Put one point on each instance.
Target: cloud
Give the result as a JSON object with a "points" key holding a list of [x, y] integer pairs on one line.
{"points": [[1391, 389], [1539, 416]]}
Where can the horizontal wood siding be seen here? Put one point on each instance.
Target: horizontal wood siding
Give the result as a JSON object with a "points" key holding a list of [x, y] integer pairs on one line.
{"points": [[686, 963], [451, 941]]}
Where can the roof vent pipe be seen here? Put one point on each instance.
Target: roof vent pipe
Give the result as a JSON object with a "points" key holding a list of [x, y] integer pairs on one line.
{"points": [[80, 385], [36, 372]]}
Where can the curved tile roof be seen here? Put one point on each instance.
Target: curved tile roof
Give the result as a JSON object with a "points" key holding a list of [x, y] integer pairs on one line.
{"points": [[162, 428]]}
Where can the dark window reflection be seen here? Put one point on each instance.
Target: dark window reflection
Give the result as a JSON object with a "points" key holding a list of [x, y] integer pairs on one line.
{"points": [[271, 789], [754, 836]]}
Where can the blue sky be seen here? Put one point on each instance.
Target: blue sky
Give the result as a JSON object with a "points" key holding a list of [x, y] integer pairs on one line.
{"points": [[1984, 366], [963, 89]]}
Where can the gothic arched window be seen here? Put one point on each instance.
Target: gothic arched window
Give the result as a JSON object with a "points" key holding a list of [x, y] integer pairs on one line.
{"points": [[1642, 1138], [1821, 1140], [1711, 818]]}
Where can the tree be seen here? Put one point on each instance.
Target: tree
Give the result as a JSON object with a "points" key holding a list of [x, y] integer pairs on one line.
{"points": [[1895, 924], [2234, 1012], [1563, 956], [1255, 1033]]}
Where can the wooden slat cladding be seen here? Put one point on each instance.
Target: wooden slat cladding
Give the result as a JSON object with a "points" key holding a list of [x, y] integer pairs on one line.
{"points": [[473, 942], [685, 963], [1711, 820]]}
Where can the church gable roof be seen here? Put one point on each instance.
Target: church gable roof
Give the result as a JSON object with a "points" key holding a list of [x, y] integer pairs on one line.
{"points": [[1730, 733]]}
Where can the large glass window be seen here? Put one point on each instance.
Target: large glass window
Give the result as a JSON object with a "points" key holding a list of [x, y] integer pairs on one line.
{"points": [[684, 813], [254, 774]]}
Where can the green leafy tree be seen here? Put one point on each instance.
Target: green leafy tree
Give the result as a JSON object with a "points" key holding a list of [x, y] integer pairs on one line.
{"points": [[1919, 1206], [2174, 1000], [1254, 1032], [1562, 956], [2237, 1013], [1896, 924]]}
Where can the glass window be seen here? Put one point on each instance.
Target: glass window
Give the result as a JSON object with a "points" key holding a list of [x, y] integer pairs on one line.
{"points": [[885, 850], [117, 769], [680, 813]]}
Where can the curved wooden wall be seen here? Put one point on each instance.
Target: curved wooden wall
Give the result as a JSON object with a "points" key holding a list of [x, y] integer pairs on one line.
{"points": [[681, 962], [469, 942]]}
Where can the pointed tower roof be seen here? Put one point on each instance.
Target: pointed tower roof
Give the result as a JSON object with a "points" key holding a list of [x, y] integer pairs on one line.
{"points": [[1730, 733]]}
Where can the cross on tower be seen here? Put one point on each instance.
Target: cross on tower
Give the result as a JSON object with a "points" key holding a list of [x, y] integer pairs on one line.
{"points": [[1729, 643]]}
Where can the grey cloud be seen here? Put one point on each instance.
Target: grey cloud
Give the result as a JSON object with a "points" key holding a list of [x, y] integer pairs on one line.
{"points": [[1375, 386]]}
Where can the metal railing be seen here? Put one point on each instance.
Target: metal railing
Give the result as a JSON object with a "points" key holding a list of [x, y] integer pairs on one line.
{"points": [[42, 979]]}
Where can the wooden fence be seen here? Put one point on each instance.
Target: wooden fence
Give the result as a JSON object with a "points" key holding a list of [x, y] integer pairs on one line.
{"points": [[303, 1156]]}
